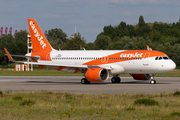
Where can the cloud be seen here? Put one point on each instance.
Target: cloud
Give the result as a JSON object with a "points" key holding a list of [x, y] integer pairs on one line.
{"points": [[144, 1], [82, 2], [75, 21]]}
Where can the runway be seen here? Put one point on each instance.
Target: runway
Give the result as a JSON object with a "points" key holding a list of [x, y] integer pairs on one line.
{"points": [[72, 84]]}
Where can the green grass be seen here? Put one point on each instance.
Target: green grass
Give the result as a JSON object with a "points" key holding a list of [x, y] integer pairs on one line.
{"points": [[36, 72], [49, 105], [174, 73], [146, 102], [49, 72]]}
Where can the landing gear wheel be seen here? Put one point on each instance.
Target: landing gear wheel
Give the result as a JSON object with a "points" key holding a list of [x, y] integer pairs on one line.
{"points": [[153, 82], [84, 81], [115, 80], [118, 79]]}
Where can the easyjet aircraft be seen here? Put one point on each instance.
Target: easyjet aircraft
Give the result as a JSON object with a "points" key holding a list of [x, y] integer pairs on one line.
{"points": [[96, 65]]}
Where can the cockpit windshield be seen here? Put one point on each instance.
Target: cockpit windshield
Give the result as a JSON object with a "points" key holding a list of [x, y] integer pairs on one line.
{"points": [[162, 58]]}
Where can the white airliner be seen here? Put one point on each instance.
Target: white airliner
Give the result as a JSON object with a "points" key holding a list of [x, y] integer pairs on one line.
{"points": [[96, 65]]}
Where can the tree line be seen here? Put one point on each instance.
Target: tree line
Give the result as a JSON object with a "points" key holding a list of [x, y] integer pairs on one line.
{"points": [[164, 37]]}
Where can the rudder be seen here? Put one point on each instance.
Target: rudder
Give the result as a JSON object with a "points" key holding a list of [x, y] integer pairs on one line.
{"points": [[39, 41]]}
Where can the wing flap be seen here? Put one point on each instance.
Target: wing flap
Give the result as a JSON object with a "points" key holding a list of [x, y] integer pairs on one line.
{"points": [[54, 64]]}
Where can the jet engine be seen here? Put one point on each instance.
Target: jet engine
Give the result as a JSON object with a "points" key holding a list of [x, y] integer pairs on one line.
{"points": [[141, 76], [97, 74]]}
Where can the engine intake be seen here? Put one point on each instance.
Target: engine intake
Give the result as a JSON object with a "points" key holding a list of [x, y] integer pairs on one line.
{"points": [[141, 76], [97, 74]]}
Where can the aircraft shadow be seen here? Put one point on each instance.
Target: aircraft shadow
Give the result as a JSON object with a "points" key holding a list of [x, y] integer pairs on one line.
{"points": [[93, 83]]}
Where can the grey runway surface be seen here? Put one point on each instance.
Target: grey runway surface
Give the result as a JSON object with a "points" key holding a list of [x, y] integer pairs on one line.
{"points": [[72, 84]]}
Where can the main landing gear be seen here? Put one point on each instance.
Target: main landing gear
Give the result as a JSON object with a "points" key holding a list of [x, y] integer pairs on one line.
{"points": [[152, 81], [85, 81], [115, 79]]}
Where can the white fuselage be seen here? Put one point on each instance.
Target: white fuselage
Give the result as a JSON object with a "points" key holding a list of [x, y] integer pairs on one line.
{"points": [[132, 66]]}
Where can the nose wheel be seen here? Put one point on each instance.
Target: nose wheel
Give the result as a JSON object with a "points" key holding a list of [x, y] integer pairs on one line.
{"points": [[152, 81]]}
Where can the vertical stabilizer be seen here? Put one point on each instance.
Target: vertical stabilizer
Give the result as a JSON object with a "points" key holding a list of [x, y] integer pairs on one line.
{"points": [[39, 41]]}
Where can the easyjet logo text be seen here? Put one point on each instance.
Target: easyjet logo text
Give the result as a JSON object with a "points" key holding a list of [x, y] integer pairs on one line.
{"points": [[37, 35], [130, 55]]}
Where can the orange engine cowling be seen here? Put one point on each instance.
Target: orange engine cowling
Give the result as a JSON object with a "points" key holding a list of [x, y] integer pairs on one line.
{"points": [[97, 74], [141, 76]]}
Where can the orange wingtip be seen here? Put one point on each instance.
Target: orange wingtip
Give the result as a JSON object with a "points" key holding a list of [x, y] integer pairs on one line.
{"points": [[9, 56], [147, 47]]}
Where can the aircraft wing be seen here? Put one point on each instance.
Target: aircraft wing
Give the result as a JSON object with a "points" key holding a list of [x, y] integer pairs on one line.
{"points": [[55, 64]]}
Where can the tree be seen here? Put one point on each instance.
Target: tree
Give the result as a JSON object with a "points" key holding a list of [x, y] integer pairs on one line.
{"points": [[109, 31], [20, 43], [15, 45], [57, 38], [141, 21], [155, 35], [75, 44], [176, 54], [89, 46], [131, 30], [143, 28], [102, 42]]}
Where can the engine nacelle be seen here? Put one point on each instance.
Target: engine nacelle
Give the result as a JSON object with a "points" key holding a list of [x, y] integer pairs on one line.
{"points": [[97, 74], [141, 76]]}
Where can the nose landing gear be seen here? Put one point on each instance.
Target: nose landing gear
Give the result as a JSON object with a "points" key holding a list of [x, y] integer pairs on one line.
{"points": [[152, 81]]}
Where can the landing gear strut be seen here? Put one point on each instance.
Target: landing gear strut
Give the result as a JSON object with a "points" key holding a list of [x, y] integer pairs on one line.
{"points": [[84, 81], [115, 79], [152, 81]]}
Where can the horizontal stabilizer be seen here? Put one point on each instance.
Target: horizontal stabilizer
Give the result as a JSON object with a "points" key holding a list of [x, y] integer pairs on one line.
{"points": [[9, 56], [25, 56]]}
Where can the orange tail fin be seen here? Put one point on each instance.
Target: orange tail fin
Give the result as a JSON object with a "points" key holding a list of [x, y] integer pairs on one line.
{"points": [[39, 41]]}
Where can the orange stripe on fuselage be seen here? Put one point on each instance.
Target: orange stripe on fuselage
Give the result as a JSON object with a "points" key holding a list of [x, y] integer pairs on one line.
{"points": [[125, 56]]}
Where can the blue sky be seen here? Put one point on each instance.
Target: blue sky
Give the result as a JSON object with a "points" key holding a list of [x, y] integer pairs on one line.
{"points": [[89, 16]]}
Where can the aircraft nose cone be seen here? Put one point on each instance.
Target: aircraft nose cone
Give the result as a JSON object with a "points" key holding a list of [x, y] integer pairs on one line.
{"points": [[170, 66]]}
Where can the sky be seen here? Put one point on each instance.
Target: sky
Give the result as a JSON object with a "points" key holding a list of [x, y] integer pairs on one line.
{"points": [[89, 16]]}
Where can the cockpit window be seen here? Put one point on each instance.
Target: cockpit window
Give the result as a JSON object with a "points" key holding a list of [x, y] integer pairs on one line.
{"points": [[156, 58], [165, 58], [160, 58]]}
